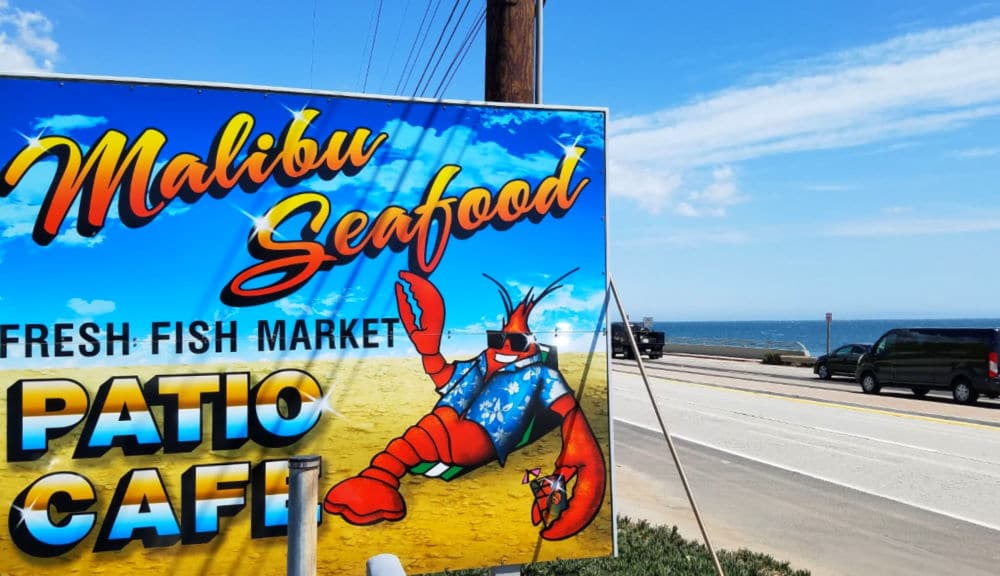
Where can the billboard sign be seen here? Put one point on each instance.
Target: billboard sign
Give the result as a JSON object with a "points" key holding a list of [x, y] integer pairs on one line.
{"points": [[201, 281]]}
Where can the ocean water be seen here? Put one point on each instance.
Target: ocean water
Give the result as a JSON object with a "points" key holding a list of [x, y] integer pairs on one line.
{"points": [[809, 333]]}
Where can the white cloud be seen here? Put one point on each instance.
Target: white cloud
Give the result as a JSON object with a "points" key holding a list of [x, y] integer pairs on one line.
{"points": [[294, 308], [417, 153], [15, 229], [21, 208], [299, 305], [650, 187], [71, 237], [684, 238], [912, 227], [92, 307], [894, 147], [715, 198], [26, 43], [565, 318], [977, 152], [63, 123], [914, 84]]}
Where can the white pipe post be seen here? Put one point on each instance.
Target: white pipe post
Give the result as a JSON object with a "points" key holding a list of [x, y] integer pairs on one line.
{"points": [[384, 565], [506, 570], [303, 493]]}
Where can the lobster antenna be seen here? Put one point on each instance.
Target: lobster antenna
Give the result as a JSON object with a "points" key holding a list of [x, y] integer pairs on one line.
{"points": [[530, 304], [508, 304]]}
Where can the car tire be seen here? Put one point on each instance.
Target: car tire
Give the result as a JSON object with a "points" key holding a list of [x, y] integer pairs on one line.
{"points": [[869, 383], [963, 392], [920, 392], [823, 371]]}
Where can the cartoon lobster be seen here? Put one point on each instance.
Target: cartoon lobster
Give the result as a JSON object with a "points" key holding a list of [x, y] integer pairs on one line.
{"points": [[504, 398]]}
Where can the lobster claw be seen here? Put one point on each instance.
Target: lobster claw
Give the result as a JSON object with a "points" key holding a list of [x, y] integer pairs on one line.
{"points": [[581, 459], [421, 310], [580, 508]]}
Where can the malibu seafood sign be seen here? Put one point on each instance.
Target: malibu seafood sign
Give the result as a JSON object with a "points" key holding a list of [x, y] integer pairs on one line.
{"points": [[198, 282]]}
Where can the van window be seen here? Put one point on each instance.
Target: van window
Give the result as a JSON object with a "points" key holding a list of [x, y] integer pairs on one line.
{"points": [[887, 341]]}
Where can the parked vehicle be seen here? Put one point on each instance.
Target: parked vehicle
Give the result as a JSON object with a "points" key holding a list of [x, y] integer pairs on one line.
{"points": [[843, 360], [963, 360], [649, 341]]}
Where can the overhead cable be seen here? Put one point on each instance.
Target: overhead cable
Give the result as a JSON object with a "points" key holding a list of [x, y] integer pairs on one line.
{"points": [[371, 53], [459, 57], [411, 60], [436, 46], [395, 44], [444, 50]]}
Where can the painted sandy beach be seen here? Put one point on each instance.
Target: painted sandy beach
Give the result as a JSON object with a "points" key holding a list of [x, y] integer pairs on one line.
{"points": [[480, 519]]}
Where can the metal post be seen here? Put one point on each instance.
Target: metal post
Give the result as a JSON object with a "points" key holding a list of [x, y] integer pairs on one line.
{"points": [[303, 493], [507, 570], [663, 429], [539, 5], [829, 318]]}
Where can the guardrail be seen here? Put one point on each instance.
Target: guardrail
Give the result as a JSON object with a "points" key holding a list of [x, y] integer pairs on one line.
{"points": [[733, 347]]}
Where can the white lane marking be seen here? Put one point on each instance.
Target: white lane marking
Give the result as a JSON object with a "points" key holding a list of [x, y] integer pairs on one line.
{"points": [[811, 428], [818, 477]]}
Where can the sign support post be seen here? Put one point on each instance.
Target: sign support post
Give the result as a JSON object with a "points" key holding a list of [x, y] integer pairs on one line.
{"points": [[829, 318], [663, 428]]}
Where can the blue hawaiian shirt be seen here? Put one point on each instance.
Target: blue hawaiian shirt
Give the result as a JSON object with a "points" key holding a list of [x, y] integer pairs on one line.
{"points": [[504, 404]]}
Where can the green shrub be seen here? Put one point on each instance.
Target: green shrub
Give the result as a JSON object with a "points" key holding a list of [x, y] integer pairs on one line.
{"points": [[772, 358], [645, 550]]}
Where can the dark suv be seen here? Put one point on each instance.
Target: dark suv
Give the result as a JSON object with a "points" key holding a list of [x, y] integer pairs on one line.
{"points": [[963, 360], [843, 360]]}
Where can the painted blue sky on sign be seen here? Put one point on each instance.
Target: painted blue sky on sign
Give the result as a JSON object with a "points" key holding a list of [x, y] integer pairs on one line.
{"points": [[174, 268]]}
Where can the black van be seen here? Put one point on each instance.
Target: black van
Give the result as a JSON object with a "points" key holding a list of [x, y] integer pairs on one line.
{"points": [[963, 360]]}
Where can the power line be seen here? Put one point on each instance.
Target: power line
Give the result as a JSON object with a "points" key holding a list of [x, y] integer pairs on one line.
{"points": [[404, 79], [436, 46], [395, 44], [463, 51], [444, 50], [371, 53]]}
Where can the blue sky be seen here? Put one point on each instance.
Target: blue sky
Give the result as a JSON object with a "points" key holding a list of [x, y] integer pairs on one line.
{"points": [[769, 162]]}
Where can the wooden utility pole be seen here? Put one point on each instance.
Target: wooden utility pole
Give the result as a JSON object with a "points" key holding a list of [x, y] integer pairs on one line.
{"points": [[510, 51]]}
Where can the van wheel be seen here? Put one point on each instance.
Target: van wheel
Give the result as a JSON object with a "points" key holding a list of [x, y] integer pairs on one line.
{"points": [[963, 392], [823, 372], [869, 383], [919, 392]]}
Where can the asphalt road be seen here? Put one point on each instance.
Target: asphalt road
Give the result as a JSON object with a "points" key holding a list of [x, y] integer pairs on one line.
{"points": [[812, 472]]}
